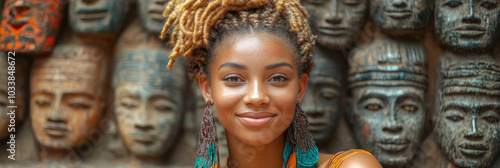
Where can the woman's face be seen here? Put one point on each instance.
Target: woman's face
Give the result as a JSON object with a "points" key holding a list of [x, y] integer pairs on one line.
{"points": [[255, 86]]}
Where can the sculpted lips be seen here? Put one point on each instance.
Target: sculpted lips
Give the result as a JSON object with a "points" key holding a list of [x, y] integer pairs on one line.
{"points": [[393, 145], [143, 138], [334, 31], [56, 129], [473, 149], [398, 14], [256, 119], [90, 15], [470, 31]]}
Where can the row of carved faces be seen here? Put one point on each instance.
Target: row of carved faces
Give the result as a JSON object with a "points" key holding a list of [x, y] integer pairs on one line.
{"points": [[32, 26], [339, 23]]}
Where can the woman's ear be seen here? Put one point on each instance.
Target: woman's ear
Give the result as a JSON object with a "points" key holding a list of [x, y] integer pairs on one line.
{"points": [[206, 87], [302, 86]]}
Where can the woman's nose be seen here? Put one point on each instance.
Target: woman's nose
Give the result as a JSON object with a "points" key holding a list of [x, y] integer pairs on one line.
{"points": [[256, 94]]}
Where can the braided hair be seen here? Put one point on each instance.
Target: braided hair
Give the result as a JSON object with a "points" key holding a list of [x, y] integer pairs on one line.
{"points": [[201, 25]]}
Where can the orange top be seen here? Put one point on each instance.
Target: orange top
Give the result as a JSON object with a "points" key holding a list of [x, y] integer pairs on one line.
{"points": [[334, 162]]}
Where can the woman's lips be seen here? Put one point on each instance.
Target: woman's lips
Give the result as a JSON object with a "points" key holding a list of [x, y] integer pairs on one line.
{"points": [[256, 119]]}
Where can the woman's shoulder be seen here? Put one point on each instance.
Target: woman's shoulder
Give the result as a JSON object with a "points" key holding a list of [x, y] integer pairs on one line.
{"points": [[348, 159]]}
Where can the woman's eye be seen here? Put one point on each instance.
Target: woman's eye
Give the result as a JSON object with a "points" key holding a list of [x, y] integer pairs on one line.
{"points": [[410, 108], [373, 107], [491, 119], [455, 118], [453, 4], [278, 79], [233, 79], [489, 5]]}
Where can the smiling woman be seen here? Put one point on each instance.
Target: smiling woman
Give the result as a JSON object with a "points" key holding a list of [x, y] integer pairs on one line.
{"points": [[252, 60]]}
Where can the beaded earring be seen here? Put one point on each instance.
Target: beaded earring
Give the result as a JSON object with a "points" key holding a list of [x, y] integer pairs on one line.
{"points": [[300, 140], [207, 155]]}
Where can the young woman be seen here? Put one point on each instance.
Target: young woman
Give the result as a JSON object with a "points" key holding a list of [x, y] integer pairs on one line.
{"points": [[251, 59]]}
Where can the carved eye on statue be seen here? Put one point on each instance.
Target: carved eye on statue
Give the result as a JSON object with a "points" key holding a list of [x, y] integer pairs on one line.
{"points": [[328, 94], [491, 117], [489, 5], [79, 103], [129, 103], [42, 102], [454, 118], [453, 4], [351, 2], [315, 2], [163, 108], [373, 107], [79, 106], [163, 105], [410, 108]]}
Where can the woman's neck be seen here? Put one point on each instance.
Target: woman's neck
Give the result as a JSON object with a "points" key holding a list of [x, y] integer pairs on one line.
{"points": [[242, 155]]}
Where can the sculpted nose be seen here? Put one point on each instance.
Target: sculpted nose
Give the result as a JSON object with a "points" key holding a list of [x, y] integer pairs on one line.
{"points": [[256, 95], [142, 119], [474, 133], [334, 16], [393, 126], [471, 17]]}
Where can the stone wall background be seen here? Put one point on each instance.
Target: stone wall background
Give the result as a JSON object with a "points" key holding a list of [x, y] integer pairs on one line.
{"points": [[110, 149]]}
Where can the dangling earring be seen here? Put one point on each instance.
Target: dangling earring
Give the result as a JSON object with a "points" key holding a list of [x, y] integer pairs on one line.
{"points": [[207, 154], [301, 140]]}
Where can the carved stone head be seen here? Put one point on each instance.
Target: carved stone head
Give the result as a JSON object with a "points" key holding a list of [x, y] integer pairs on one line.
{"points": [[30, 26], [467, 110], [322, 100], [149, 100], [467, 25], [337, 23], [386, 103], [400, 16], [21, 81], [150, 12], [67, 95], [97, 16]]}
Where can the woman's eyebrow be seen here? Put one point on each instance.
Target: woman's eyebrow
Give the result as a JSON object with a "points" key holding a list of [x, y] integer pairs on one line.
{"points": [[277, 65], [233, 65]]}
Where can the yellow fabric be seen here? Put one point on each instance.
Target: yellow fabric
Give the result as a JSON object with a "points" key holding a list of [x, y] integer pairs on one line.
{"points": [[334, 162], [340, 157]]}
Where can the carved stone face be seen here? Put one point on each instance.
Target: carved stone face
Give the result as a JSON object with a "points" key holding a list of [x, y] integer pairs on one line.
{"points": [[468, 129], [322, 100], [467, 25], [400, 15], [30, 26], [66, 102], [97, 16], [149, 101], [150, 12], [337, 23], [21, 75], [388, 121]]}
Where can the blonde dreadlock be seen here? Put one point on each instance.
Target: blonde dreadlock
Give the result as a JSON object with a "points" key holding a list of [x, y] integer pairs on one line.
{"points": [[197, 23]]}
